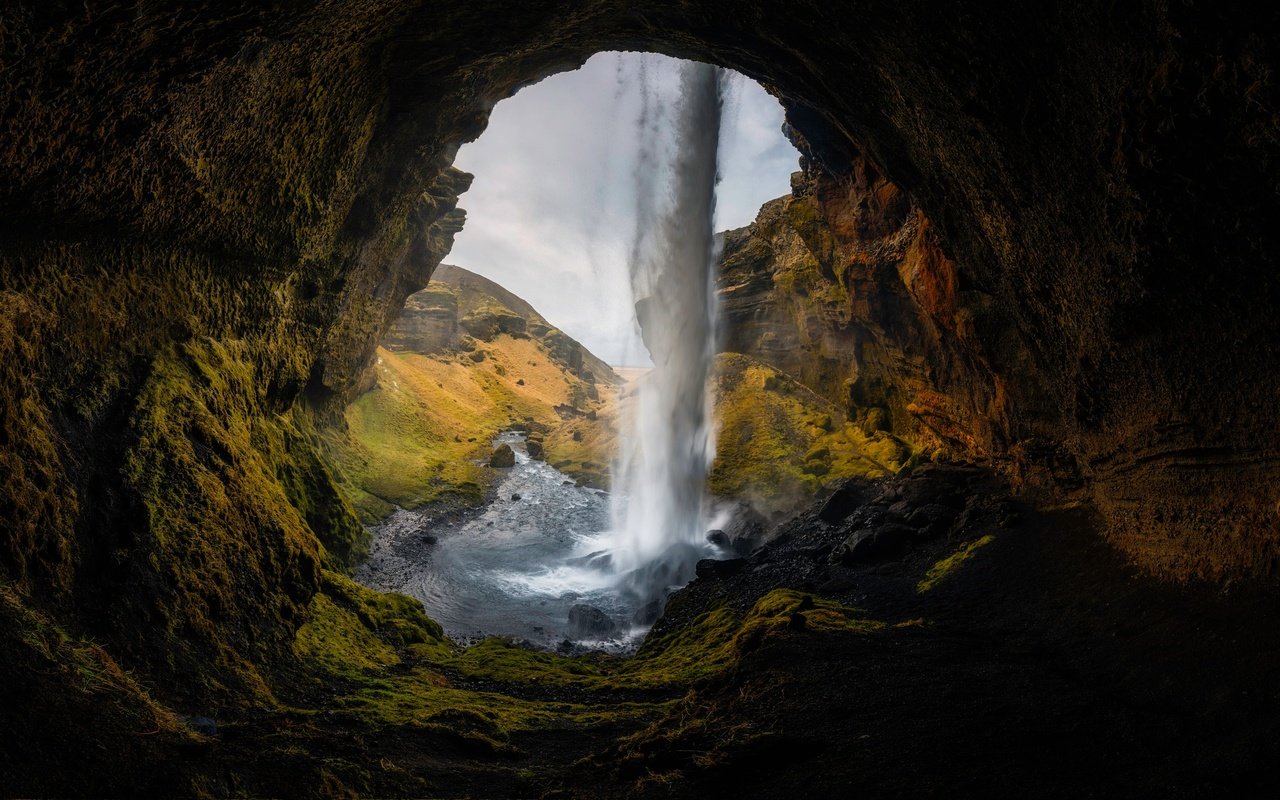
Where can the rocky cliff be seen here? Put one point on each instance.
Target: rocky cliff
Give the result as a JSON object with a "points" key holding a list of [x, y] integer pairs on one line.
{"points": [[460, 303], [844, 285]]}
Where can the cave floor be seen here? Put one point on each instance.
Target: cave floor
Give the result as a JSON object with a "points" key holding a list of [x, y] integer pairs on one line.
{"points": [[1041, 665]]}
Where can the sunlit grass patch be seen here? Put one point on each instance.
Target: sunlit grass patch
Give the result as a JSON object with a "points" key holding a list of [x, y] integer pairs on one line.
{"points": [[951, 563]]}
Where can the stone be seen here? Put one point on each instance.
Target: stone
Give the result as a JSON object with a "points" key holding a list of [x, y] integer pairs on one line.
{"points": [[847, 497], [503, 457], [536, 449], [589, 622], [712, 569], [873, 543], [647, 614], [515, 496]]}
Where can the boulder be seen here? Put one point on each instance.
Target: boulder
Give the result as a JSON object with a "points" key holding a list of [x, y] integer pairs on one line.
{"points": [[536, 449], [647, 614], [868, 544], [589, 622], [711, 569], [503, 457], [846, 499]]}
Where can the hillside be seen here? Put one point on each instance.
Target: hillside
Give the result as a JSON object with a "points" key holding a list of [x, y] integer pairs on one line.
{"points": [[466, 360]]}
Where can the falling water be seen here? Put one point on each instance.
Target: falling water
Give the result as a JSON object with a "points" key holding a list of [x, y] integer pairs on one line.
{"points": [[660, 515]]}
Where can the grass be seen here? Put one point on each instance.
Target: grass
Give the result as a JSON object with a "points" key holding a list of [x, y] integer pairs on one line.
{"points": [[422, 435], [947, 566]]}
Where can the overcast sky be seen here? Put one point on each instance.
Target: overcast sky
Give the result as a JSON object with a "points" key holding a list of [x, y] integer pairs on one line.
{"points": [[551, 214]]}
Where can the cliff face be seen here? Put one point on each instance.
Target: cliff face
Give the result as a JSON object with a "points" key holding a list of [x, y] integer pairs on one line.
{"points": [[460, 303], [844, 285], [210, 212]]}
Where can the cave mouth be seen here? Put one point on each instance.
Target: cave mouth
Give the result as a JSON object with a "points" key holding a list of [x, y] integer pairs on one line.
{"points": [[581, 209]]}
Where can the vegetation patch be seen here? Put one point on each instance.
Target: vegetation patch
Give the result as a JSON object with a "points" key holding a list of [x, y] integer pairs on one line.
{"points": [[951, 563], [781, 443]]}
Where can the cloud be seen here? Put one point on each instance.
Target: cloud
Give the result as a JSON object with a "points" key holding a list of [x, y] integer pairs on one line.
{"points": [[551, 213]]}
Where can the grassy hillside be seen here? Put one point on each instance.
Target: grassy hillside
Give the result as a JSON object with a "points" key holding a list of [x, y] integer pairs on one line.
{"points": [[470, 360]]}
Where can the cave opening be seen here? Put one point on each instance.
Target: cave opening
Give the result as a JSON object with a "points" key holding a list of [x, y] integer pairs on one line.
{"points": [[578, 235], [1024, 283]]}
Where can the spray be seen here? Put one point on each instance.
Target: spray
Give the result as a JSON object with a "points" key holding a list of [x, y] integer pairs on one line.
{"points": [[661, 514]]}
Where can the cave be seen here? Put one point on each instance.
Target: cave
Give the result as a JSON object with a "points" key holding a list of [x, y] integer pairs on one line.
{"points": [[211, 215]]}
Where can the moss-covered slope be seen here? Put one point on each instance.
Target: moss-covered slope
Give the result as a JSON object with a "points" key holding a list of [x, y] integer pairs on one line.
{"points": [[780, 443]]}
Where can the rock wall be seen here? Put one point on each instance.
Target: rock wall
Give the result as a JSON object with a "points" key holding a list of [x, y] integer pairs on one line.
{"points": [[844, 285], [209, 212]]}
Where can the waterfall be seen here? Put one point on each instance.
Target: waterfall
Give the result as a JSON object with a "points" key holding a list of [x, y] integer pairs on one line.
{"points": [[660, 516]]}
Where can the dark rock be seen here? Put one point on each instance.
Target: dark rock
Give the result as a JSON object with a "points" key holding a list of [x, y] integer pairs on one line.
{"points": [[796, 622], [932, 520], [503, 457], [845, 500], [600, 559], [648, 613], [567, 483], [515, 496], [711, 569], [536, 449], [718, 537], [930, 491], [899, 510], [873, 543], [520, 382], [589, 622], [577, 436], [428, 539]]}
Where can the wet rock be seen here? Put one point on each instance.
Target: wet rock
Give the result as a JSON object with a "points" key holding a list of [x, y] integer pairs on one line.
{"points": [[428, 539], [600, 559], [568, 483], [535, 448], [503, 457], [647, 614], [718, 537], [515, 496], [711, 569], [589, 622]]}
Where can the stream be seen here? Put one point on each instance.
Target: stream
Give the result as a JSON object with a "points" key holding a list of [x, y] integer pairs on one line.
{"points": [[514, 567]]}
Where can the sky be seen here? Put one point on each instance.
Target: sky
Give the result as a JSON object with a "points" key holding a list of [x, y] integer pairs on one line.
{"points": [[551, 213]]}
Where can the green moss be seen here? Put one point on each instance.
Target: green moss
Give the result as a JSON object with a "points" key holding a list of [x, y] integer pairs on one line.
{"points": [[951, 563], [216, 535], [778, 443]]}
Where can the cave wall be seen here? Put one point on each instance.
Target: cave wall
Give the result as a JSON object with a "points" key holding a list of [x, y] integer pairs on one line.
{"points": [[209, 212]]}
